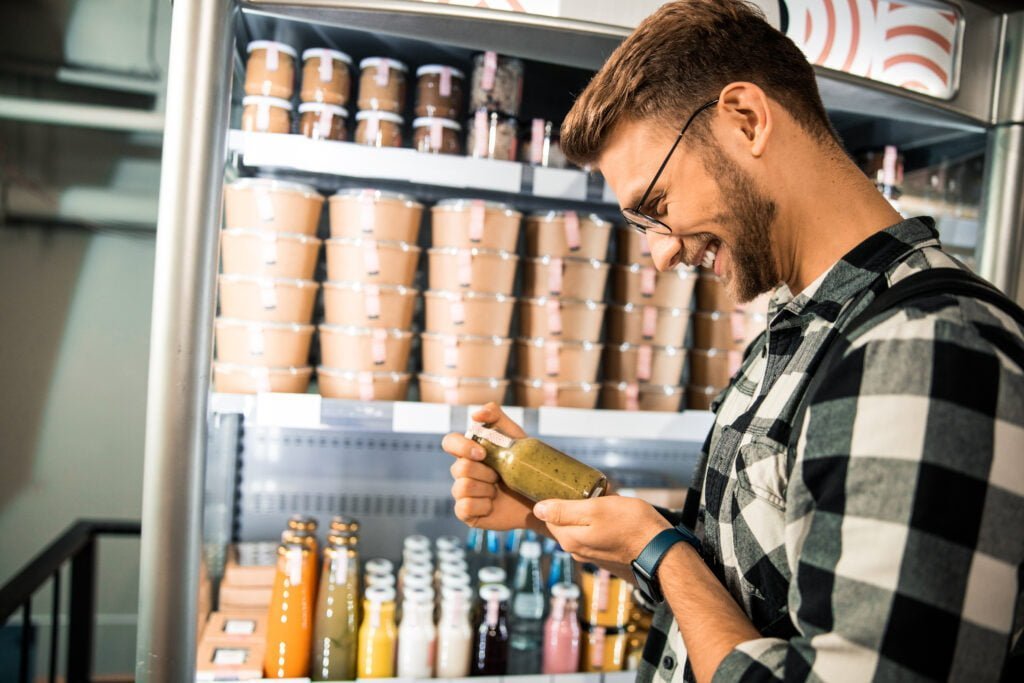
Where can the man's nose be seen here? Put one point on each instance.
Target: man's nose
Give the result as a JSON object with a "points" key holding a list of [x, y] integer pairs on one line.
{"points": [[664, 250]]}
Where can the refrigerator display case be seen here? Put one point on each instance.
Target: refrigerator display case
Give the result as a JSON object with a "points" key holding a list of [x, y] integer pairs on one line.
{"points": [[224, 468]]}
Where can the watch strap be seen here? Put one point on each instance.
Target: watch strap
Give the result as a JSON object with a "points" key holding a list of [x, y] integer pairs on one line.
{"points": [[654, 552]]}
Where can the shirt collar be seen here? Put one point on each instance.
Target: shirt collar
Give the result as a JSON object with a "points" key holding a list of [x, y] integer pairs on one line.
{"points": [[855, 271]]}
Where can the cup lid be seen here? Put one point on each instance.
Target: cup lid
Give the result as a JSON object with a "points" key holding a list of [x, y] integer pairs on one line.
{"points": [[353, 331], [268, 281], [260, 324], [271, 235], [438, 68], [326, 52], [416, 542], [541, 342], [475, 251], [467, 204], [673, 311], [490, 382], [382, 115], [594, 263], [559, 215], [352, 375], [355, 286], [376, 61], [387, 244], [273, 184], [266, 44], [647, 388], [590, 304], [373, 194], [445, 294], [221, 366], [534, 383], [323, 106], [423, 121], [419, 595], [268, 101], [456, 592], [491, 575]]}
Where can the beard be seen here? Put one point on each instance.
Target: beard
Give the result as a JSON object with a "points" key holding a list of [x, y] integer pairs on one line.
{"points": [[749, 214]]}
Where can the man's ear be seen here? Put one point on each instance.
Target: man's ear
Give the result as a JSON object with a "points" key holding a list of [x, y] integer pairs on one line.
{"points": [[745, 109]]}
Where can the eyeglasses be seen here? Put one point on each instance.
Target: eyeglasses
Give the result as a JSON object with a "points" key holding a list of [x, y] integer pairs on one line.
{"points": [[639, 220]]}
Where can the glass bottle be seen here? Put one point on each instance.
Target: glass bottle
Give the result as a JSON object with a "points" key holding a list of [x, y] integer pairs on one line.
{"points": [[561, 568], [536, 470], [527, 623], [417, 635], [454, 632], [513, 539], [344, 524], [305, 524], [289, 622], [378, 635], [562, 631], [336, 625], [490, 645], [475, 550]]}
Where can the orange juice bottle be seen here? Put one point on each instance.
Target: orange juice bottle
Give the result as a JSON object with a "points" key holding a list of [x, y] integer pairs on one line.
{"points": [[290, 621], [378, 635]]}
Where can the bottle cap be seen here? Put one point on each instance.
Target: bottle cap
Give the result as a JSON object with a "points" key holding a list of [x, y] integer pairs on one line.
{"points": [[416, 581], [456, 580], [454, 555], [448, 543], [380, 580], [304, 522], [379, 566], [344, 523], [495, 591], [418, 595], [569, 591], [489, 575], [418, 567], [417, 542], [410, 556], [529, 550], [454, 567], [380, 594]]}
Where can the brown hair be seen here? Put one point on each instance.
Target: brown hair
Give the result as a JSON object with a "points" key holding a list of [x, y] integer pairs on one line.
{"points": [[681, 57]]}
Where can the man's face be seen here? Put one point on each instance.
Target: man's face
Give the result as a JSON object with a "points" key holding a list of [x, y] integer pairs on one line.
{"points": [[718, 215]]}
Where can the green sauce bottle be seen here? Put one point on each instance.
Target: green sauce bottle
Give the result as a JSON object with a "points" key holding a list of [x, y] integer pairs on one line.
{"points": [[536, 470]]}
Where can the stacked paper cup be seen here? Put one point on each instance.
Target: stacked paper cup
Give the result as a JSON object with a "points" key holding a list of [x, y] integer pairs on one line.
{"points": [[269, 255], [721, 331], [562, 310], [469, 305], [647, 325], [369, 301]]}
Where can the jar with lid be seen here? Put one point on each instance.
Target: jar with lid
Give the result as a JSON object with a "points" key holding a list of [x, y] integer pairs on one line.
{"points": [[270, 69], [536, 470], [541, 148], [322, 121], [266, 114], [382, 84], [325, 76], [379, 129], [497, 83], [492, 136], [439, 91], [432, 134]]}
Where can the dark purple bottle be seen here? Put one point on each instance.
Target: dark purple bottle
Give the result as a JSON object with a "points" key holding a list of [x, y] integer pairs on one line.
{"points": [[490, 645]]}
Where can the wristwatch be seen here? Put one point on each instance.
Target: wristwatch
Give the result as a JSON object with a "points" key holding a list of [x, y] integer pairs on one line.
{"points": [[645, 566]]}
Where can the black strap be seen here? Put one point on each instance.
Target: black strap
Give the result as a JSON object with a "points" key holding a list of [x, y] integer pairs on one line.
{"points": [[935, 281]]}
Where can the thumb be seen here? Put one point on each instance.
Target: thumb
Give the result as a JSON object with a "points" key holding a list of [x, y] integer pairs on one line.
{"points": [[562, 512]]}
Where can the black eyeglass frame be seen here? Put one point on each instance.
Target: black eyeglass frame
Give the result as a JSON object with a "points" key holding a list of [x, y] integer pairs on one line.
{"points": [[634, 215]]}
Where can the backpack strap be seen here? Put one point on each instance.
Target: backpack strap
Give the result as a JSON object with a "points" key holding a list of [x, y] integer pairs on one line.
{"points": [[952, 281]]}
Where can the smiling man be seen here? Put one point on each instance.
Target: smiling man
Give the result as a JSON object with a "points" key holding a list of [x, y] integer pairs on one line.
{"points": [[858, 509]]}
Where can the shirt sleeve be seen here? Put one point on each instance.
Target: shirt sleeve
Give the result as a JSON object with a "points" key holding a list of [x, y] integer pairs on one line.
{"points": [[903, 514]]}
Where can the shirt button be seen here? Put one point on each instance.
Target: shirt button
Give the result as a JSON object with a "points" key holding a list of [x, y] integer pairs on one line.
{"points": [[668, 662]]}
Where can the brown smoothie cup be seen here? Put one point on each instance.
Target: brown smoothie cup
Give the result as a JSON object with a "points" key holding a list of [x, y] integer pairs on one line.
{"points": [[631, 247], [367, 260], [462, 390], [283, 300], [569, 319], [633, 396], [376, 214], [564, 361], [642, 285], [567, 233], [270, 69], [266, 115], [539, 393], [644, 363], [467, 223], [247, 342], [266, 204], [325, 76], [269, 254], [714, 367], [230, 378], [365, 349], [362, 386], [700, 398], [463, 355], [647, 324], [476, 270], [726, 330], [359, 304], [477, 313], [573, 278]]}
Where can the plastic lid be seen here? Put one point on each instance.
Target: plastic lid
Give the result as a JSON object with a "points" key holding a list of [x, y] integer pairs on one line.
{"points": [[475, 251], [351, 331], [355, 375], [271, 235], [272, 184], [466, 205], [269, 101], [454, 567], [356, 286], [359, 242], [265, 44], [380, 594], [662, 310], [453, 555], [455, 580], [552, 215], [529, 550], [275, 281], [566, 590], [417, 542], [374, 61], [382, 115], [590, 304], [534, 383], [262, 325], [647, 388], [221, 366], [448, 543], [594, 263], [495, 591], [323, 106], [444, 294], [326, 51], [374, 194], [417, 555], [380, 580], [379, 566], [490, 382], [423, 121], [417, 595], [491, 575], [438, 68], [541, 342]]}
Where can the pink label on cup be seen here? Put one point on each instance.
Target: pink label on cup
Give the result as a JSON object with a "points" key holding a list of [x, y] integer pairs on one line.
{"points": [[451, 352], [738, 322], [648, 280], [597, 647], [555, 276], [572, 230], [632, 396], [367, 217], [650, 322], [269, 250], [735, 361], [372, 301], [326, 69], [644, 362], [383, 71], [379, 346], [371, 257], [554, 307], [268, 295], [458, 309], [272, 60], [262, 117], [436, 136], [480, 133], [256, 344], [645, 246], [323, 124], [550, 393], [372, 130], [552, 358], [465, 267], [477, 214], [451, 390], [537, 141], [444, 86], [490, 69], [365, 380]]}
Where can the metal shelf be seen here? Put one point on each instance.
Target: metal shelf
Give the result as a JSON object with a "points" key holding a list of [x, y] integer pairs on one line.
{"points": [[330, 166]]}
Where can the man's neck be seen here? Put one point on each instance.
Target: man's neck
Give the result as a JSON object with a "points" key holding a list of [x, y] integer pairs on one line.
{"points": [[830, 209]]}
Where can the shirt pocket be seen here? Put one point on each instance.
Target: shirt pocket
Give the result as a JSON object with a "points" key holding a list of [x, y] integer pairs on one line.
{"points": [[762, 470]]}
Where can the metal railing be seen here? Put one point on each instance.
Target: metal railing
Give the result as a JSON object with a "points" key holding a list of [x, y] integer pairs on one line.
{"points": [[77, 546]]}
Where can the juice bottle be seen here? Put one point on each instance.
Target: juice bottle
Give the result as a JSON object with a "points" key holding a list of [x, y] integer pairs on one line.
{"points": [[562, 631], [490, 645], [336, 624], [289, 623], [378, 635], [454, 632], [527, 612], [417, 636]]}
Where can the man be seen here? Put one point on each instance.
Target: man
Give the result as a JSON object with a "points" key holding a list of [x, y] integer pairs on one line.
{"points": [[883, 541]]}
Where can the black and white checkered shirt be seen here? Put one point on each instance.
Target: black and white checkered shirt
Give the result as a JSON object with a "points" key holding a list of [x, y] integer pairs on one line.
{"points": [[892, 549]]}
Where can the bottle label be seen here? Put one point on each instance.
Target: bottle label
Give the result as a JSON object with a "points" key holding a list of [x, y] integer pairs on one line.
{"points": [[490, 70], [293, 565], [256, 341], [265, 207], [436, 136], [537, 141], [739, 327], [645, 246], [601, 583], [480, 133], [372, 131], [262, 117], [632, 396], [272, 59], [451, 390], [326, 69], [268, 295], [597, 638], [551, 393], [323, 125], [493, 608], [444, 86], [552, 358], [451, 352], [492, 435], [367, 212], [383, 71], [262, 377]]}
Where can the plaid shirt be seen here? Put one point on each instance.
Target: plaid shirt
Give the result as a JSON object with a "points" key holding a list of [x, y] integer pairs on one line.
{"points": [[892, 547]]}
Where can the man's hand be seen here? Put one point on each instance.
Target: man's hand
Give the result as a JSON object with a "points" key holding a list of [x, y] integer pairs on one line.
{"points": [[610, 531], [481, 499]]}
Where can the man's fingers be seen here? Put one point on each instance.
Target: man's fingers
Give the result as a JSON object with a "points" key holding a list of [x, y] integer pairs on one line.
{"points": [[564, 512], [461, 447], [470, 469], [470, 509], [492, 415], [473, 488]]}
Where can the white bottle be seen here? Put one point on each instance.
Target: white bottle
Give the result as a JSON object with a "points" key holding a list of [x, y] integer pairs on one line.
{"points": [[417, 635], [454, 632]]}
